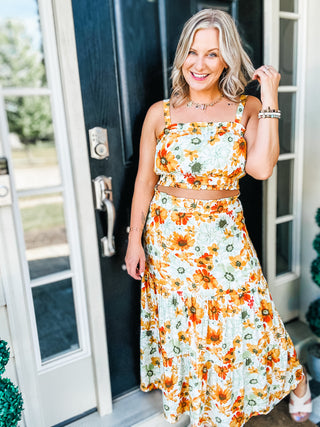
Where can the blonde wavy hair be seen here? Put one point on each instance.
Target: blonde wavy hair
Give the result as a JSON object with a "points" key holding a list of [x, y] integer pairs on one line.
{"points": [[239, 69]]}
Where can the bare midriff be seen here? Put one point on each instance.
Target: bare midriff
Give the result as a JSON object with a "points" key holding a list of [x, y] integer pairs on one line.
{"points": [[188, 193]]}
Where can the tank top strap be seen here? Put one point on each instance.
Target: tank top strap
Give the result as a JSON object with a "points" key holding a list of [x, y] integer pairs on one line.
{"points": [[241, 105], [166, 112]]}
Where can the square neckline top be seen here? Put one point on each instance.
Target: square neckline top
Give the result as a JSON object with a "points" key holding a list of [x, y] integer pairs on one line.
{"points": [[203, 154], [169, 124]]}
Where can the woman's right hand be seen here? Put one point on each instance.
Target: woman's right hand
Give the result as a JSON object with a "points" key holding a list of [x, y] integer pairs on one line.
{"points": [[135, 260]]}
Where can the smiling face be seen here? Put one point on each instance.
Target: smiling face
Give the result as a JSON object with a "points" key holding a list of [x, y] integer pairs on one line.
{"points": [[204, 64]]}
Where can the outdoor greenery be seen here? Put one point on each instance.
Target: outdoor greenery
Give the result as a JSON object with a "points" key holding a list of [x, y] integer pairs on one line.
{"points": [[316, 243], [21, 66], [11, 402], [42, 216], [39, 154], [30, 118], [313, 314]]}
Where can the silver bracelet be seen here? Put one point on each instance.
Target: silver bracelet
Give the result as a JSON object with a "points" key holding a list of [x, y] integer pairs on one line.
{"points": [[269, 114]]}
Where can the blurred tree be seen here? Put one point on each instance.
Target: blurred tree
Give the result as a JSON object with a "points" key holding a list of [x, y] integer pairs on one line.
{"points": [[22, 65]]}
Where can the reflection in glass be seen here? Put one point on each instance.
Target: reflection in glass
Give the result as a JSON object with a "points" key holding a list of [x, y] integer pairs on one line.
{"points": [[284, 248], [31, 136], [21, 52], [287, 105], [47, 248], [288, 47], [284, 187], [288, 5], [56, 319]]}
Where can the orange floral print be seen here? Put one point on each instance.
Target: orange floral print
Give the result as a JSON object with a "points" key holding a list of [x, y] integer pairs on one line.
{"points": [[213, 250], [191, 154], [166, 161], [184, 336], [159, 214], [214, 337], [169, 381], [237, 261], [214, 310], [240, 148], [265, 312], [181, 242], [272, 357], [222, 371], [195, 312], [205, 279], [222, 395], [211, 337], [205, 261], [203, 370], [181, 218], [184, 405]]}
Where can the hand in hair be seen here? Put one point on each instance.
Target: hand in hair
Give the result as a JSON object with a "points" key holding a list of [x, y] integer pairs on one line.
{"points": [[269, 79]]}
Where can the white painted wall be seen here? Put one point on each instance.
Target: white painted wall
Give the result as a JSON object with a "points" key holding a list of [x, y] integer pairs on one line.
{"points": [[309, 291]]}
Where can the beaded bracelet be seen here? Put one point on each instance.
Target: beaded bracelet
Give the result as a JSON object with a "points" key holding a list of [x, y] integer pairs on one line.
{"points": [[269, 114]]}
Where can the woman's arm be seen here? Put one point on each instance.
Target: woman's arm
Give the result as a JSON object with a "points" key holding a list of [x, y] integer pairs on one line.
{"points": [[143, 191], [262, 135]]}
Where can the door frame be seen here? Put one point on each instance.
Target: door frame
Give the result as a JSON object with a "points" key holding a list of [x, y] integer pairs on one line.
{"points": [[285, 287], [69, 71], [15, 294]]}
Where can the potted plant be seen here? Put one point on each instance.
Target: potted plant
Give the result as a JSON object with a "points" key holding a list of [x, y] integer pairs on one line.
{"points": [[313, 313], [11, 403]]}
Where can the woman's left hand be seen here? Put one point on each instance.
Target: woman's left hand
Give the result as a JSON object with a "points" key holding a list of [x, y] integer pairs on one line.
{"points": [[269, 79]]}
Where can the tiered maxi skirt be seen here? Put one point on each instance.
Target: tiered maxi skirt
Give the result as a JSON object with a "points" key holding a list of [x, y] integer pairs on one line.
{"points": [[211, 338]]}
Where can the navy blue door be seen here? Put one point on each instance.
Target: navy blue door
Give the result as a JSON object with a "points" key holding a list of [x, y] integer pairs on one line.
{"points": [[125, 49]]}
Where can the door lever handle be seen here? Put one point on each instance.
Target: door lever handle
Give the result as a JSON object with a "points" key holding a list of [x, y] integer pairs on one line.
{"points": [[107, 242], [102, 187]]}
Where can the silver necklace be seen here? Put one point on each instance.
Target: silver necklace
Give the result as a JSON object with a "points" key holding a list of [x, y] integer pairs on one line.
{"points": [[203, 106]]}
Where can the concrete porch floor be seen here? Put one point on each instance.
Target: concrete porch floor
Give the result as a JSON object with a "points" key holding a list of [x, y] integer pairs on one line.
{"points": [[138, 409]]}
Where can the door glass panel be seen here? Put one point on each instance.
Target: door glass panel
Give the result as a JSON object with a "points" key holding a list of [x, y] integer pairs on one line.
{"points": [[43, 221], [21, 53], [287, 60], [284, 248], [287, 105], [32, 141], [41, 192], [56, 319], [284, 187], [288, 5]]}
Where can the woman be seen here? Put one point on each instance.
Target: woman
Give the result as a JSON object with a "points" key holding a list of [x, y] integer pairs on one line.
{"points": [[211, 338]]}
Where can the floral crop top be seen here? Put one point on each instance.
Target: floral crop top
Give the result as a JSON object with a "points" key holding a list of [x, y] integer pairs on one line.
{"points": [[201, 155]]}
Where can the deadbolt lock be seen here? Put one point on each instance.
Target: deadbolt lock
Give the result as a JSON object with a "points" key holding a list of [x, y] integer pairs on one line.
{"points": [[99, 147]]}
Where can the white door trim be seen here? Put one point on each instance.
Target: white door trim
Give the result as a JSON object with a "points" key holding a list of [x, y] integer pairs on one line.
{"points": [[69, 72], [15, 296], [285, 286]]}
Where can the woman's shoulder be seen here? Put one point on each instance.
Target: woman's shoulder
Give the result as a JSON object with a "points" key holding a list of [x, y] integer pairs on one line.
{"points": [[252, 102], [155, 116], [252, 107], [156, 110], [158, 106]]}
